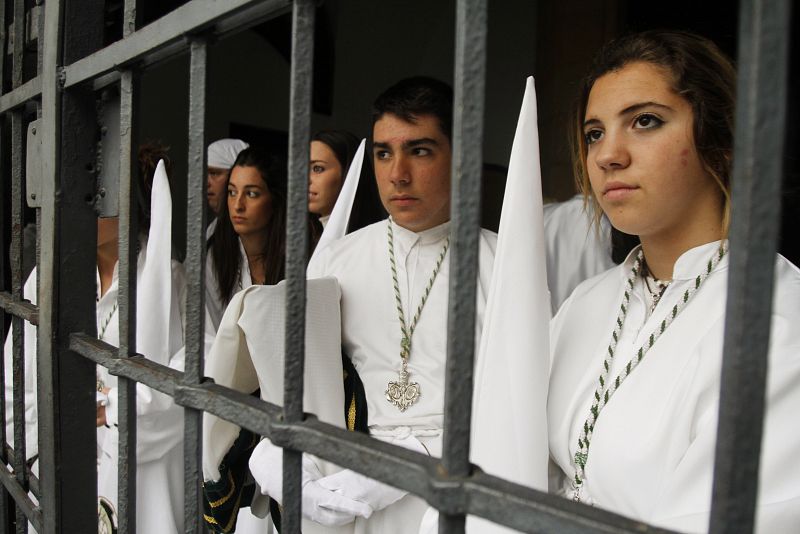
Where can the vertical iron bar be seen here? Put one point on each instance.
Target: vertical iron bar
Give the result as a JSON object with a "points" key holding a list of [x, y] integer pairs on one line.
{"points": [[195, 272], [67, 274], [18, 325], [5, 497], [3, 42], [128, 261], [470, 68], [6, 501], [757, 177], [301, 79], [128, 241]]}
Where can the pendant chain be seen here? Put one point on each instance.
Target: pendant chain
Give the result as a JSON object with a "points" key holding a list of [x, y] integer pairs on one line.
{"points": [[402, 393], [105, 323], [605, 389]]}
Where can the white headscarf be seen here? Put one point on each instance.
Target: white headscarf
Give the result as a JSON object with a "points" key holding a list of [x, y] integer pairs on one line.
{"points": [[223, 153]]}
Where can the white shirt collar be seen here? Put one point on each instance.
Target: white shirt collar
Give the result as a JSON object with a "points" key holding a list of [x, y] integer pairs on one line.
{"points": [[425, 237], [688, 265]]}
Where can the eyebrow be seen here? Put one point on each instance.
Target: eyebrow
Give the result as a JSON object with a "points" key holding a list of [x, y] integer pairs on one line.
{"points": [[248, 186], [630, 109], [408, 144]]}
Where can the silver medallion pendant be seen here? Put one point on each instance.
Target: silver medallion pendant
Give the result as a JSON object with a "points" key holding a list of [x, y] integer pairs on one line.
{"points": [[402, 393]]}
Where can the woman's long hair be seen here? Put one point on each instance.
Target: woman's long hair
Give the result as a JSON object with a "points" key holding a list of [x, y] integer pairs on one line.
{"points": [[367, 207], [225, 254]]}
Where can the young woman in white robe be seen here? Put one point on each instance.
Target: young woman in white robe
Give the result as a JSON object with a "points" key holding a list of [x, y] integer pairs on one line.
{"points": [[247, 248], [332, 153], [654, 145]]}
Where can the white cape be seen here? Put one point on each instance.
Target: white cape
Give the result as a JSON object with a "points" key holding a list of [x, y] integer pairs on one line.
{"points": [[248, 353]]}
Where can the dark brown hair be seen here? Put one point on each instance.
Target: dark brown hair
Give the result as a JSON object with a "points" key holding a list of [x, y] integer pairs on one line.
{"points": [[150, 152], [225, 253], [419, 95]]}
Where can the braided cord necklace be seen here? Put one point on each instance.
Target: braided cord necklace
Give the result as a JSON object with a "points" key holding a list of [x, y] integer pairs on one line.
{"points": [[107, 320], [401, 392], [103, 326], [605, 389]]}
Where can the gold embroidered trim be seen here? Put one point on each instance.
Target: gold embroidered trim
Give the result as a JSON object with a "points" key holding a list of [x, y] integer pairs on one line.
{"points": [[226, 528], [220, 502], [351, 414]]}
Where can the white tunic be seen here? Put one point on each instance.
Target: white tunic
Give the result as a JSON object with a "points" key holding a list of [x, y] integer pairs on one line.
{"points": [[215, 307], [652, 452], [159, 423], [576, 249], [371, 335], [159, 448]]}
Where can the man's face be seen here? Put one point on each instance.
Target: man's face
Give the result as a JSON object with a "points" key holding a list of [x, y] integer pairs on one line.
{"points": [[412, 168], [215, 193]]}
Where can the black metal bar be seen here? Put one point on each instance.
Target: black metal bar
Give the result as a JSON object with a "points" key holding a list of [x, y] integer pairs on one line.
{"points": [[18, 325], [301, 79], [21, 95], [18, 33], [128, 247], [6, 501], [17, 200], [165, 37], [65, 386], [470, 68], [33, 480], [27, 508], [757, 177], [137, 367], [3, 42], [47, 369], [195, 278], [22, 309], [480, 494]]}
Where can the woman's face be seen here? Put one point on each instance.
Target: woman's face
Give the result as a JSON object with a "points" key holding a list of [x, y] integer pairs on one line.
{"points": [[324, 179], [641, 157], [249, 201]]}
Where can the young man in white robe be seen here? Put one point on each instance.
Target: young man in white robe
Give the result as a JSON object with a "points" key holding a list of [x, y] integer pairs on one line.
{"points": [[412, 156]]}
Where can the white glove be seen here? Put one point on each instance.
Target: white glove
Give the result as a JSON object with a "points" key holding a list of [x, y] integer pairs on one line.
{"points": [[356, 486], [364, 489], [266, 465], [331, 509], [319, 504]]}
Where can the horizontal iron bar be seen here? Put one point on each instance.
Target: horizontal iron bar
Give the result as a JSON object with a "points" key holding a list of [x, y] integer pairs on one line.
{"points": [[23, 309], [480, 494], [138, 368], [22, 94], [21, 497], [33, 480], [165, 37]]}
